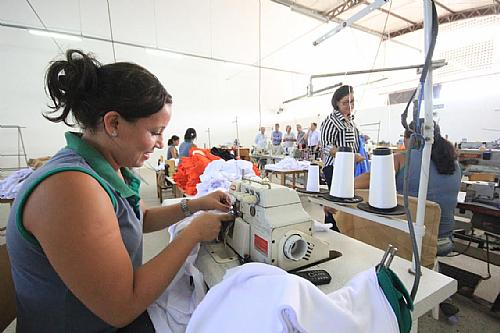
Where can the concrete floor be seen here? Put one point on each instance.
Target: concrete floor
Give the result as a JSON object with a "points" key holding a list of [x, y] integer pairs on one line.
{"points": [[474, 316]]}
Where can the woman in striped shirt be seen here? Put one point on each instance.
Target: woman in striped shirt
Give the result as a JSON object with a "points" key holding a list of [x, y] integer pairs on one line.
{"points": [[338, 130]]}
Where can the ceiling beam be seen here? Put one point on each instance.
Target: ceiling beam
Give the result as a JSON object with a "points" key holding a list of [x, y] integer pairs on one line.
{"points": [[439, 4], [321, 16], [342, 8], [392, 14], [457, 16]]}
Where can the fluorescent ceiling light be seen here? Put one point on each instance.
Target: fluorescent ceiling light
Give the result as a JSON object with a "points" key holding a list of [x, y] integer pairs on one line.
{"points": [[54, 35], [158, 52]]}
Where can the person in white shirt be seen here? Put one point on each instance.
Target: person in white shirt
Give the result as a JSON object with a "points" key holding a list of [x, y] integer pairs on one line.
{"points": [[289, 138], [261, 146], [261, 139], [313, 139]]}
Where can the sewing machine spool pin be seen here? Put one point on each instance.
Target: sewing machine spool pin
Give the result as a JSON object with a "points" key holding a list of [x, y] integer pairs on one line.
{"points": [[387, 257]]}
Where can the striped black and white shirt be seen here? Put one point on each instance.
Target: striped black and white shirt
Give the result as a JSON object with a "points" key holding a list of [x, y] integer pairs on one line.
{"points": [[338, 131]]}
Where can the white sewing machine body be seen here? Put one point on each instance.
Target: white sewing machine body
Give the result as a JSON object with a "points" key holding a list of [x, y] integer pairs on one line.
{"points": [[272, 226]]}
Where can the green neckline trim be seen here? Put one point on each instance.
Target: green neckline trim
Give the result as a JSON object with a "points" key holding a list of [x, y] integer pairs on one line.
{"points": [[19, 212], [397, 296], [102, 167]]}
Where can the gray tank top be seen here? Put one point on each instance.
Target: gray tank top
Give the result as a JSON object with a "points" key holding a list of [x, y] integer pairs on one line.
{"points": [[44, 303], [442, 189]]}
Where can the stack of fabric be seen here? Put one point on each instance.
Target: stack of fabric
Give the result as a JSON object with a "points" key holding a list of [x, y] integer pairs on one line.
{"points": [[191, 168], [202, 172], [219, 174], [288, 163]]}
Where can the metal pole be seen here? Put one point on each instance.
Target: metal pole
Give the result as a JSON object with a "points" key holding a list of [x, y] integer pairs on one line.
{"points": [[428, 132], [237, 137], [378, 133]]}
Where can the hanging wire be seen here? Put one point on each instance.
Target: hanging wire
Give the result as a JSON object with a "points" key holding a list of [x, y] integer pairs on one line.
{"points": [[43, 24], [378, 49], [111, 32]]}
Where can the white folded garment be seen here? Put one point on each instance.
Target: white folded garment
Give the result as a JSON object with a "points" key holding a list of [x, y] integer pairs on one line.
{"points": [[219, 174], [321, 227], [171, 312], [287, 164], [263, 298]]}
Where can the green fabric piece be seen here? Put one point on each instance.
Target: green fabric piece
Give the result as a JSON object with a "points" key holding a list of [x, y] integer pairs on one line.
{"points": [[398, 297], [20, 208], [128, 189]]}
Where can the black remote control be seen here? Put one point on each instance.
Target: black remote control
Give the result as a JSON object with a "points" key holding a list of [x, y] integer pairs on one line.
{"points": [[316, 276]]}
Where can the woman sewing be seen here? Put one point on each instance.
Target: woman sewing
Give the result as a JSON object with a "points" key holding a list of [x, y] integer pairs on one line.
{"points": [[75, 231], [444, 182]]}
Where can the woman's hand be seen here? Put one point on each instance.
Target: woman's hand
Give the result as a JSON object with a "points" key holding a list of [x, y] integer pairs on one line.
{"points": [[206, 226], [358, 158], [217, 200]]}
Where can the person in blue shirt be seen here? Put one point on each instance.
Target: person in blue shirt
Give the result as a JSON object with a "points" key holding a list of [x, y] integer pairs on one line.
{"points": [[188, 143], [444, 182], [276, 135]]}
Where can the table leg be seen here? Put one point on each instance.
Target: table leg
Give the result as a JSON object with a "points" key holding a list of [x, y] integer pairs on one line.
{"points": [[283, 179], [414, 326], [293, 181]]}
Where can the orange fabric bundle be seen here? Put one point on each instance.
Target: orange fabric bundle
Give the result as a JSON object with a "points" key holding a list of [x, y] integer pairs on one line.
{"points": [[191, 168]]}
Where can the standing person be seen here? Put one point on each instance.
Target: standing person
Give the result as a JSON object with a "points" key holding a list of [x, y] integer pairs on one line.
{"points": [[313, 140], [276, 135], [289, 138], [172, 152], [301, 137], [189, 137], [261, 145], [339, 130], [276, 139], [261, 139], [75, 230]]}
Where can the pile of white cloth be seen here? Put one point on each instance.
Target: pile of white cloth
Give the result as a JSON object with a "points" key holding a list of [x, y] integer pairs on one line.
{"points": [[12, 184], [219, 174], [287, 164], [258, 297]]}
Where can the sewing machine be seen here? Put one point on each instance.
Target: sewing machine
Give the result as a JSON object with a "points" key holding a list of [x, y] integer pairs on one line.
{"points": [[482, 191], [271, 226]]}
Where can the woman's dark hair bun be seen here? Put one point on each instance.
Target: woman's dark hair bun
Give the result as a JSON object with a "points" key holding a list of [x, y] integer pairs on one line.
{"points": [[70, 83], [80, 85], [190, 134]]}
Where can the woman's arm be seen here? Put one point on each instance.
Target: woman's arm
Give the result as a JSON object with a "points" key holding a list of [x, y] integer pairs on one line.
{"points": [[79, 233], [158, 218]]}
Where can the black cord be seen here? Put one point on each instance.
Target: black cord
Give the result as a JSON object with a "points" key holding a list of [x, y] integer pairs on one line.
{"points": [[414, 139]]}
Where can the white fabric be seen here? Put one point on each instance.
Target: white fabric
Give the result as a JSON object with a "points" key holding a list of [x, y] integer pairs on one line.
{"points": [[171, 312], [288, 163], [263, 298], [313, 138], [219, 174], [11, 185], [321, 227], [261, 141]]}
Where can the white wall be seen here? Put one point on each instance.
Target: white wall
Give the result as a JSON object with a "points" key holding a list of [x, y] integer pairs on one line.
{"points": [[207, 93]]}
